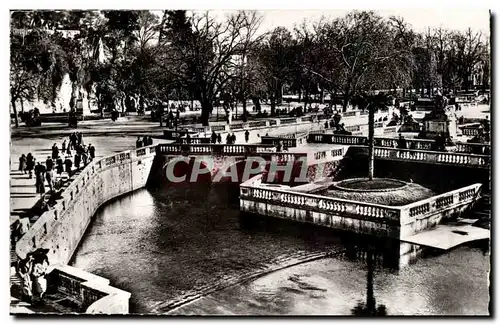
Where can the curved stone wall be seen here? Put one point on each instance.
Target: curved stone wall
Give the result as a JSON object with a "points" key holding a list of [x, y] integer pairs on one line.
{"points": [[61, 228]]}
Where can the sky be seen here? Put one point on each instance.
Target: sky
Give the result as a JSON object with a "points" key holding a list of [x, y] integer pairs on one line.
{"points": [[420, 19]]}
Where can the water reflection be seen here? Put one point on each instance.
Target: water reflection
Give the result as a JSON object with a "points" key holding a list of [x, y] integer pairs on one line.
{"points": [[369, 308], [173, 245]]}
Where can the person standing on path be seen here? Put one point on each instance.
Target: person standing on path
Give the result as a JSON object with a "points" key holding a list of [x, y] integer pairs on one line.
{"points": [[247, 136], [68, 164], [91, 152], [78, 159], [214, 137], [49, 174], [30, 164], [228, 138], [80, 138], [23, 163], [63, 147], [40, 178], [233, 139], [219, 138], [59, 166], [138, 143], [55, 151]]}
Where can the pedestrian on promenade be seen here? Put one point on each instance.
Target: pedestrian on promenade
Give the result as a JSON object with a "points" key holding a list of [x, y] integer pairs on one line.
{"points": [[188, 138], [150, 140], [40, 178], [22, 163], [63, 147], [279, 147], [30, 164], [68, 164], [79, 138], [233, 139], [145, 140], [78, 159], [49, 163], [247, 136], [32, 271], [214, 137], [138, 143], [55, 151], [326, 124], [401, 142], [71, 142], [59, 166], [91, 152], [84, 158], [49, 174], [219, 138]]}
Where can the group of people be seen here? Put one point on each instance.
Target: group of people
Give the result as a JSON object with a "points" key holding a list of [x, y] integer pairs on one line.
{"points": [[144, 142], [231, 138], [215, 138], [61, 160]]}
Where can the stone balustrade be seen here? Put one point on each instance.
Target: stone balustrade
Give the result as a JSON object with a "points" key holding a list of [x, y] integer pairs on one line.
{"points": [[452, 158], [194, 140], [318, 203], [439, 203], [415, 144], [216, 149]]}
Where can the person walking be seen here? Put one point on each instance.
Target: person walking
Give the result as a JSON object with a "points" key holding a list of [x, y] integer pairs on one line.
{"points": [[91, 152], [55, 151], [59, 166], [219, 138], [138, 143], [214, 137], [150, 140], [228, 138], [30, 164], [78, 159], [68, 164], [247, 136], [233, 139], [145, 140], [49, 174], [79, 138], [23, 163], [63, 147], [84, 158], [40, 178]]}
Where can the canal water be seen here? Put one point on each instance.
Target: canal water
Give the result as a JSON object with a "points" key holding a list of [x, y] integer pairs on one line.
{"points": [[185, 250]]}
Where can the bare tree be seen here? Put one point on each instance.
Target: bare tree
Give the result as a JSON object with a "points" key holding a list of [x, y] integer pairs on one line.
{"points": [[205, 59]]}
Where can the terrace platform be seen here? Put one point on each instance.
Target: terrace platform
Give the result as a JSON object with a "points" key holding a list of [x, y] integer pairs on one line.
{"points": [[447, 236]]}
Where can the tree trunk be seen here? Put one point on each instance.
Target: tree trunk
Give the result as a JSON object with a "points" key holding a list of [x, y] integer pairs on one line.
{"points": [[244, 102], [371, 154], [404, 92], [206, 109], [22, 105], [273, 106], [16, 118], [345, 102], [306, 99], [300, 94], [279, 94], [321, 96], [256, 102]]}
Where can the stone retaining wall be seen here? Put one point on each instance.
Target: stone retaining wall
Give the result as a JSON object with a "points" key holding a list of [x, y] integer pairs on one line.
{"points": [[61, 228]]}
